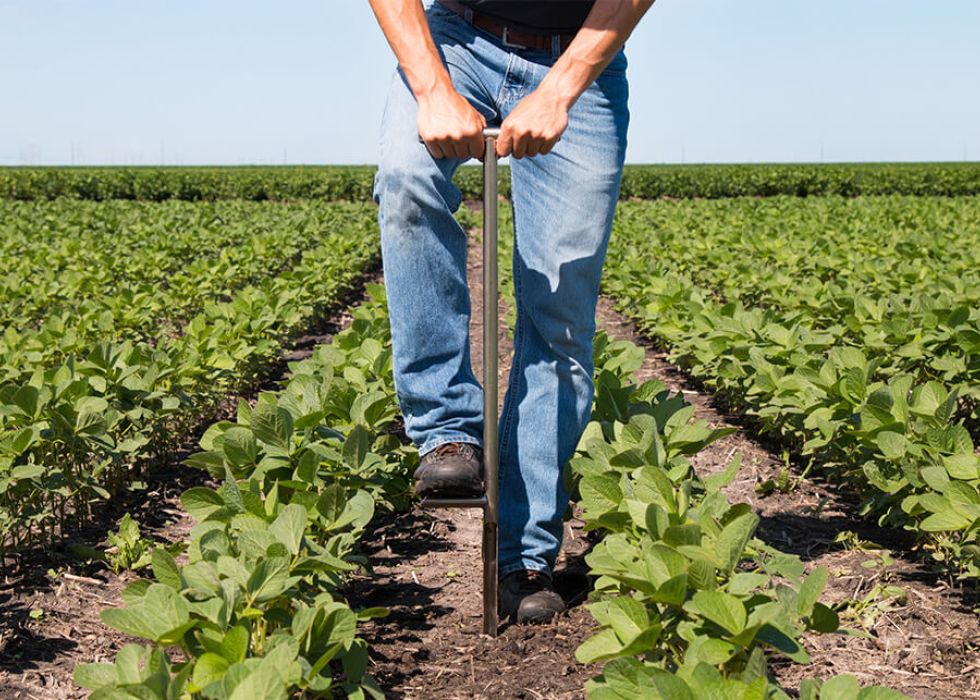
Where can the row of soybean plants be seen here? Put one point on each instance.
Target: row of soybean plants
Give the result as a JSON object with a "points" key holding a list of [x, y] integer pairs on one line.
{"points": [[255, 611], [850, 329], [689, 603], [120, 359], [142, 270], [896, 276], [207, 183], [355, 183]]}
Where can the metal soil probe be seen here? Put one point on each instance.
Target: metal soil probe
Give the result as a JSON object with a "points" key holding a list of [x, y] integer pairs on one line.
{"points": [[490, 501]]}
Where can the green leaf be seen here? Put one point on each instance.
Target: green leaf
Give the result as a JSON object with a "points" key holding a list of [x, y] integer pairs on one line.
{"points": [[701, 575], [843, 687], [962, 466], [627, 617], [823, 619], [810, 590], [687, 534], [627, 679], [234, 645], [368, 408], [162, 616], [211, 462], [673, 591], [781, 641], [239, 446], [734, 538], [289, 527], [710, 651], [946, 520], [601, 494], [726, 611], [209, 668], [880, 693], [963, 493], [133, 664], [374, 613], [201, 502], [356, 447], [135, 591], [927, 398], [93, 676], [269, 579], [719, 480], [936, 478], [165, 568], [603, 645], [331, 503], [357, 512], [892, 445], [265, 679], [272, 425]]}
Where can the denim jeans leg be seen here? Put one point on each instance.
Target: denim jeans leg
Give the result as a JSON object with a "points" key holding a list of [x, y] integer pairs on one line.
{"points": [[424, 257], [563, 208]]}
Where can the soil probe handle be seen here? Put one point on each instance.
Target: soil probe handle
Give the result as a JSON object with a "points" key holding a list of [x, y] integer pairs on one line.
{"points": [[490, 464]]}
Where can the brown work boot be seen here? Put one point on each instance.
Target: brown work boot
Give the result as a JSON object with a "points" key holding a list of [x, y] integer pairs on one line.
{"points": [[451, 470], [529, 597]]}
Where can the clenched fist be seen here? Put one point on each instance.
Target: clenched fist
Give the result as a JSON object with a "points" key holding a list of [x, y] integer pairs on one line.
{"points": [[534, 126], [450, 126]]}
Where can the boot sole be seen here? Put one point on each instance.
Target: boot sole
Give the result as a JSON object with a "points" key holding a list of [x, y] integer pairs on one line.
{"points": [[518, 619], [434, 487]]}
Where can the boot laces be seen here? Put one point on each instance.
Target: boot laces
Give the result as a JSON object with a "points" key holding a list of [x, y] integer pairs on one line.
{"points": [[529, 582], [454, 449]]}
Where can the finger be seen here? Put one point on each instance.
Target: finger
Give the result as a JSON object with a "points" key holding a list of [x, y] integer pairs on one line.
{"points": [[461, 149], [533, 147], [475, 145], [547, 146], [435, 148], [520, 147], [504, 143]]}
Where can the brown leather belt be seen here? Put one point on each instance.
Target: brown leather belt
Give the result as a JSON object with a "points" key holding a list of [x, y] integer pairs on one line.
{"points": [[509, 36]]}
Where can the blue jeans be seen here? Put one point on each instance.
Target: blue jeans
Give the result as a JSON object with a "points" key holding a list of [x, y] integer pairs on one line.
{"points": [[563, 208]]}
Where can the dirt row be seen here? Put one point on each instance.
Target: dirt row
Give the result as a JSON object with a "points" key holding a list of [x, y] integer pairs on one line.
{"points": [[427, 570]]}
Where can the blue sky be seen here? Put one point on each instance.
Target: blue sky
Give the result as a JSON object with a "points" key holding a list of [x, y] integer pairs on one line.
{"points": [[217, 81]]}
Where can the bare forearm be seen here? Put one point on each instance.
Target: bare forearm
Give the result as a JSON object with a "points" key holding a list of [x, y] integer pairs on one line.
{"points": [[538, 121], [605, 31], [404, 25], [446, 122]]}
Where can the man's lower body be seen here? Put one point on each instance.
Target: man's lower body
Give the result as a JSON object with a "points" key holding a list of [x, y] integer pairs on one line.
{"points": [[563, 205]]}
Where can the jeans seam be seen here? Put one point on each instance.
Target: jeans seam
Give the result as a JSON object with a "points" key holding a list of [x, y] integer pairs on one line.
{"points": [[504, 82], [516, 370]]}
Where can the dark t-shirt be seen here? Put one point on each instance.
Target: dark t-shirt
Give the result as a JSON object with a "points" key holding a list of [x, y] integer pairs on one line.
{"points": [[542, 15]]}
